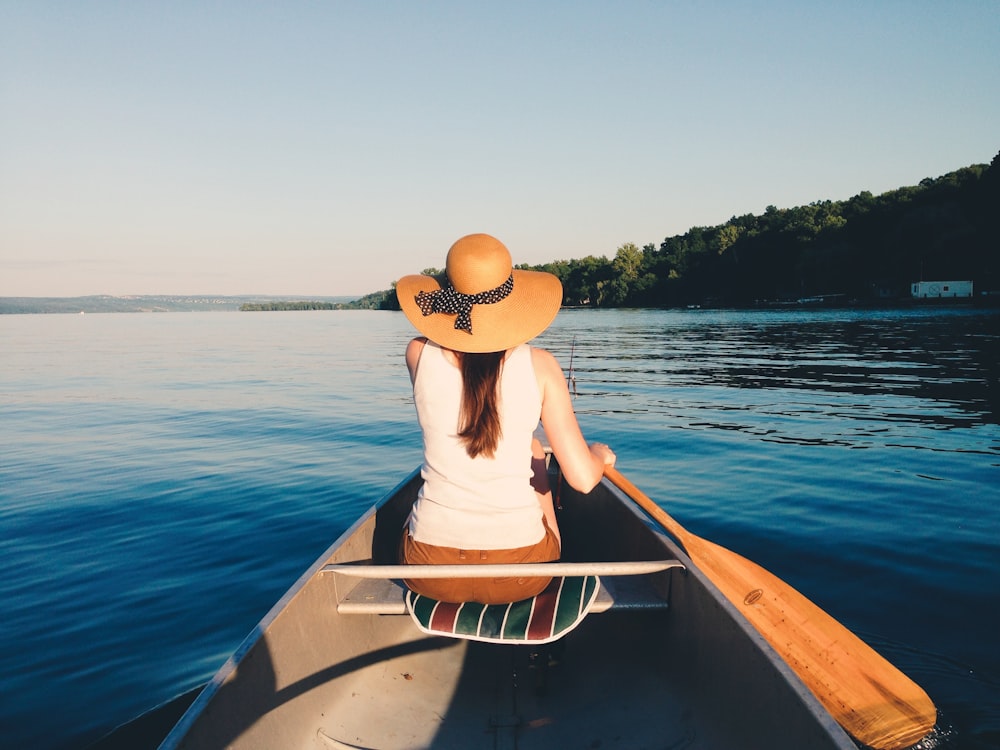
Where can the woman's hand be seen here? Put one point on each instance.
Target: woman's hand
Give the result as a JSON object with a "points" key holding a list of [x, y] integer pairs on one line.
{"points": [[603, 453]]}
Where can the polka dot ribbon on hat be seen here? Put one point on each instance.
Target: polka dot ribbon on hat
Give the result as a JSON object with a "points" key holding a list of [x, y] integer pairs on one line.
{"points": [[447, 300]]}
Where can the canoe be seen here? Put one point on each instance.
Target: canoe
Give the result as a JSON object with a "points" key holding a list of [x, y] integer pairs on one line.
{"points": [[662, 659]]}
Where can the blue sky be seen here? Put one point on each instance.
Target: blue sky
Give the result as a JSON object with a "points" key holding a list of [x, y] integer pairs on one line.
{"points": [[328, 148]]}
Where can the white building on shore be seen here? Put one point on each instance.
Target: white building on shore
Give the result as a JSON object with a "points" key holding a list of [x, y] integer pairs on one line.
{"points": [[941, 289]]}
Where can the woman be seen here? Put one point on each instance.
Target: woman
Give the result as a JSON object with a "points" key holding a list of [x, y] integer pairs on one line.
{"points": [[480, 392]]}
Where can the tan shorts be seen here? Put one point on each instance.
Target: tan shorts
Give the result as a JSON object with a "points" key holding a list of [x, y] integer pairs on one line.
{"points": [[483, 590]]}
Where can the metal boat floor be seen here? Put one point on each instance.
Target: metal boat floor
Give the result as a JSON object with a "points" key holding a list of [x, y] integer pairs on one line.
{"points": [[610, 687]]}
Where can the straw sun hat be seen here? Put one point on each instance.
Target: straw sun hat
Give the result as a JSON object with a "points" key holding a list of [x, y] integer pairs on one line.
{"points": [[486, 305]]}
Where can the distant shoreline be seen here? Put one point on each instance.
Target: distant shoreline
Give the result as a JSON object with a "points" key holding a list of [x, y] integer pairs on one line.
{"points": [[209, 303], [139, 303]]}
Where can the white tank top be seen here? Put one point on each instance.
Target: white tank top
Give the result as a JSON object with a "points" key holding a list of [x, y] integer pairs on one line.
{"points": [[476, 503]]}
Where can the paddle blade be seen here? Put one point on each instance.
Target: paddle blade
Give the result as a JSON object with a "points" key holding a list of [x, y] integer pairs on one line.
{"points": [[873, 701]]}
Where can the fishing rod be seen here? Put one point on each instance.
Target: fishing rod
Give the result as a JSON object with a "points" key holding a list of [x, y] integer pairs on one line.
{"points": [[571, 378]]}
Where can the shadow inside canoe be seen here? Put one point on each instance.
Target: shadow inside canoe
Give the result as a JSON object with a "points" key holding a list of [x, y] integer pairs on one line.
{"points": [[257, 696]]}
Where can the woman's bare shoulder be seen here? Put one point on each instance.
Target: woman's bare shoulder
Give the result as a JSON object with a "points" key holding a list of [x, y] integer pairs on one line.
{"points": [[544, 361], [548, 371], [413, 352]]}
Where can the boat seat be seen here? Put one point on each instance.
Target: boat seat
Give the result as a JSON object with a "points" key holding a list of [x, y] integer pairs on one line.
{"points": [[624, 585]]}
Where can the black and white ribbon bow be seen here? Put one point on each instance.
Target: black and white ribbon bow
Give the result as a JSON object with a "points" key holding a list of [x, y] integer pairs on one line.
{"points": [[447, 300]]}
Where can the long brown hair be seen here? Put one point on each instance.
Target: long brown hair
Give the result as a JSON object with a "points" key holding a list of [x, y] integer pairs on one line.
{"points": [[479, 416]]}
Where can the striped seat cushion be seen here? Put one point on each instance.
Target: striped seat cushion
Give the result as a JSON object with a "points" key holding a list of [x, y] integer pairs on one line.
{"points": [[540, 619]]}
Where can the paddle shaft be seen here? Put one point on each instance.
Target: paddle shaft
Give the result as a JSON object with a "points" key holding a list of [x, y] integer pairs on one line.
{"points": [[872, 700]]}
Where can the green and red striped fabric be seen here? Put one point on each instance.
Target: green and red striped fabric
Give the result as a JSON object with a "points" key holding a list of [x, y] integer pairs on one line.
{"points": [[540, 619]]}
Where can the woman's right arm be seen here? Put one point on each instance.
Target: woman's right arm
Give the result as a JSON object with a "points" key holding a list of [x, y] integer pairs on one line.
{"points": [[582, 465]]}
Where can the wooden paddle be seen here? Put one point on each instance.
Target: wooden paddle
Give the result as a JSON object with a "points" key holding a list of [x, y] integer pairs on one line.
{"points": [[872, 700]]}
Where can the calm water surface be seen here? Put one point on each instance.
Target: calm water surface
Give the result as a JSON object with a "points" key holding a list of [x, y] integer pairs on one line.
{"points": [[164, 478]]}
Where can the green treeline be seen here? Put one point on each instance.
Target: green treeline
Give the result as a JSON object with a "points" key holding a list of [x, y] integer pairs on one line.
{"points": [[866, 249], [368, 302], [373, 301]]}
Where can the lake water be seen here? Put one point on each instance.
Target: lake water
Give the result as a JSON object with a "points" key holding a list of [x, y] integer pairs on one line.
{"points": [[165, 477]]}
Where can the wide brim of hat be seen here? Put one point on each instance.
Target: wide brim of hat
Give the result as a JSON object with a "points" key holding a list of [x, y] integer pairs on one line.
{"points": [[521, 316]]}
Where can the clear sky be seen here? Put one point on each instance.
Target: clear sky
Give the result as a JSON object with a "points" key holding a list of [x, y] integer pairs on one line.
{"points": [[328, 148]]}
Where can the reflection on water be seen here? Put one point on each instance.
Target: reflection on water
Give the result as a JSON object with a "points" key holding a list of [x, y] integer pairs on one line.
{"points": [[841, 378], [176, 472], [948, 362]]}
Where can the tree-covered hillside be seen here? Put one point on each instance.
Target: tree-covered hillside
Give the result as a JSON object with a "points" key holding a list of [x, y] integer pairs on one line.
{"points": [[865, 249]]}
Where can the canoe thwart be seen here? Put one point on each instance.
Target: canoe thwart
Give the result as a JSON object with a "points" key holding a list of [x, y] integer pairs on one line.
{"points": [[385, 596], [626, 568]]}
